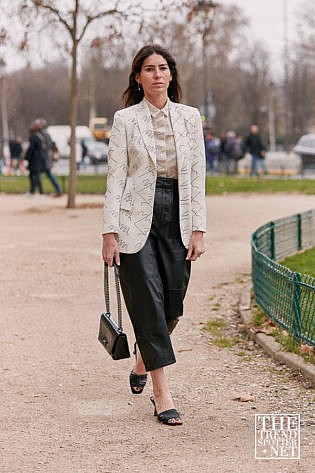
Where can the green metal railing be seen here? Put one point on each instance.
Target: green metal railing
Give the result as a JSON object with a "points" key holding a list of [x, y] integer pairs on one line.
{"points": [[287, 297]]}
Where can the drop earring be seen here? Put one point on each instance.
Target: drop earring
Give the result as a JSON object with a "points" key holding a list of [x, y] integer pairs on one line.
{"points": [[139, 86]]}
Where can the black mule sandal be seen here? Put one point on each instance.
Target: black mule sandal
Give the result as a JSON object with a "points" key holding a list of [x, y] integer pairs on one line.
{"points": [[170, 417], [137, 381]]}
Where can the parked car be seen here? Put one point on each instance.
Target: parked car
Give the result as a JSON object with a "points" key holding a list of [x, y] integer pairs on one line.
{"points": [[96, 150], [60, 134], [305, 148]]}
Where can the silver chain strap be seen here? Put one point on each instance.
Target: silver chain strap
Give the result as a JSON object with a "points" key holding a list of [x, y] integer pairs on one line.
{"points": [[106, 293]]}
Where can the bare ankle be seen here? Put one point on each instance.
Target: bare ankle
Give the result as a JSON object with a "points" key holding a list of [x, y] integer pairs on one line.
{"points": [[139, 366]]}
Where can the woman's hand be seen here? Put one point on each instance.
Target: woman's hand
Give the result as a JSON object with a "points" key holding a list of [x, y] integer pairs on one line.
{"points": [[110, 249], [196, 246]]}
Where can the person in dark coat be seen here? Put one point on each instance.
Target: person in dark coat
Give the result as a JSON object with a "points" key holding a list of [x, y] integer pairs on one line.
{"points": [[35, 158], [212, 147], [47, 147], [15, 146], [223, 162], [234, 150], [256, 147]]}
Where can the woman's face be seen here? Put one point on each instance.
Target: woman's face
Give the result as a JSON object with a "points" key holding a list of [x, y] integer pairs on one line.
{"points": [[155, 76]]}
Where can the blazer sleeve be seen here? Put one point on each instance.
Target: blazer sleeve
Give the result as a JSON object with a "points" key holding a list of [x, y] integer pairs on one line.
{"points": [[116, 175], [198, 178]]}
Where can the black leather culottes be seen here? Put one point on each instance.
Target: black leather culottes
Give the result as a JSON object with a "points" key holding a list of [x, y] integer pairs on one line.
{"points": [[154, 280]]}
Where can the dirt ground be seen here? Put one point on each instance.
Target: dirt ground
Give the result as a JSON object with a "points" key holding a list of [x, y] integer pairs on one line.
{"points": [[67, 407]]}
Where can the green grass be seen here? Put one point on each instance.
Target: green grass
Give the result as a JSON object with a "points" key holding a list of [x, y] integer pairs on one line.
{"points": [[287, 342], [258, 316], [87, 184], [224, 342], [14, 185], [303, 262], [292, 345], [215, 326], [220, 185], [216, 185]]}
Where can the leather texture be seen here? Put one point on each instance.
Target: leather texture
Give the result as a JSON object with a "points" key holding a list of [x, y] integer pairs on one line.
{"points": [[113, 340], [132, 174], [154, 280]]}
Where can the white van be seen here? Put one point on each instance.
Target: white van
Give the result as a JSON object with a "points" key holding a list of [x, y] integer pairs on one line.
{"points": [[60, 134], [305, 149]]}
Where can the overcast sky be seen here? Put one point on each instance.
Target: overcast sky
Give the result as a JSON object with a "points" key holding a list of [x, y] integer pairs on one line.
{"points": [[267, 19]]}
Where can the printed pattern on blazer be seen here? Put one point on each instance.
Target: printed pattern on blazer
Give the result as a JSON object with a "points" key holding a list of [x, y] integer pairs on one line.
{"points": [[132, 173]]}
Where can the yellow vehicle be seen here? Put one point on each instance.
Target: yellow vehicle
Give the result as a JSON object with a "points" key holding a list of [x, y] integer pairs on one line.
{"points": [[99, 128]]}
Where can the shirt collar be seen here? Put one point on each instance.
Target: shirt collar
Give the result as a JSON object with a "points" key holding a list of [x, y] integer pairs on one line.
{"points": [[154, 111]]}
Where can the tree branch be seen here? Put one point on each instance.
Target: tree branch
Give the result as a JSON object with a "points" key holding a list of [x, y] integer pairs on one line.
{"points": [[55, 11], [96, 17]]}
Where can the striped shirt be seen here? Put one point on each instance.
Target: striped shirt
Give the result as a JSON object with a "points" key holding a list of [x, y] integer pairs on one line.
{"points": [[166, 159]]}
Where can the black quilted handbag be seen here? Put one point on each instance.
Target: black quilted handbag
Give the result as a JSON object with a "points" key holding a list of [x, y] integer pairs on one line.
{"points": [[111, 335]]}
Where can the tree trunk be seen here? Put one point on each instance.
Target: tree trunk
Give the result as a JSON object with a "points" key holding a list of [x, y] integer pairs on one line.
{"points": [[73, 121], [92, 87]]}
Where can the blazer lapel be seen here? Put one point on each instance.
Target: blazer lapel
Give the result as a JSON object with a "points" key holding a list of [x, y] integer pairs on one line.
{"points": [[146, 129], [180, 134]]}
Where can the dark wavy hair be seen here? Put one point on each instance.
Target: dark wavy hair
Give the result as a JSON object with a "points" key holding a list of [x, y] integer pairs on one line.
{"points": [[132, 95]]}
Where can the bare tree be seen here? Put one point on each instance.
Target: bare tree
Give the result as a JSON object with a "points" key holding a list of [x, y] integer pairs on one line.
{"points": [[253, 83], [238, 75], [28, 91], [75, 20], [302, 77]]}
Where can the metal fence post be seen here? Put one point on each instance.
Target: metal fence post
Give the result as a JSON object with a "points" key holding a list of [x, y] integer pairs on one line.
{"points": [[299, 231], [272, 240], [287, 297], [297, 306]]}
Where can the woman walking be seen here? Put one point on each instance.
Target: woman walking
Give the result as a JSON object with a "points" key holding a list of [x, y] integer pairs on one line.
{"points": [[34, 156], [154, 213]]}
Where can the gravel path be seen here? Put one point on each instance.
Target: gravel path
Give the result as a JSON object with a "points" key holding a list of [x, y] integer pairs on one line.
{"points": [[65, 405]]}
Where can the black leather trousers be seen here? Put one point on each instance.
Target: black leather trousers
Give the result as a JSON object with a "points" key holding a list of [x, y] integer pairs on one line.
{"points": [[154, 280]]}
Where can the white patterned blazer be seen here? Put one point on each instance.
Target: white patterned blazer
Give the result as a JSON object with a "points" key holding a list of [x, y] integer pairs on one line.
{"points": [[132, 174]]}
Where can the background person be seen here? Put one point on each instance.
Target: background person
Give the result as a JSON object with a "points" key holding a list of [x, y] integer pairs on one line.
{"points": [[16, 150], [78, 154], [223, 162], [48, 148], [2, 161], [84, 153], [34, 156], [154, 212], [55, 152], [212, 145], [234, 150], [256, 147]]}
